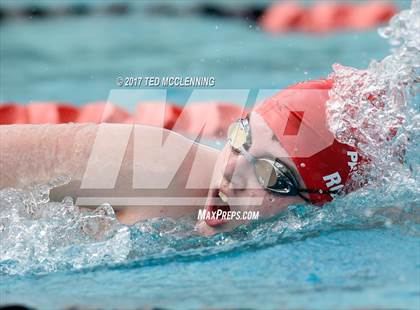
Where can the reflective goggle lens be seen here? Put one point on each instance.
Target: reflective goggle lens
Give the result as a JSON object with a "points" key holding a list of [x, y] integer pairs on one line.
{"points": [[265, 172], [269, 175], [237, 135]]}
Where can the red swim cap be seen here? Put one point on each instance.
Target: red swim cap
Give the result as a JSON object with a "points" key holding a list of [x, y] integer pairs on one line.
{"points": [[297, 117]]}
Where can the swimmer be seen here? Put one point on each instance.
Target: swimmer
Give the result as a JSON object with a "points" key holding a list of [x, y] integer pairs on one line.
{"points": [[281, 154]]}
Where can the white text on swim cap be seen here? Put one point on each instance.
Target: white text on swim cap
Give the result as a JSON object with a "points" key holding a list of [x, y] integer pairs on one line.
{"points": [[331, 180], [353, 157]]}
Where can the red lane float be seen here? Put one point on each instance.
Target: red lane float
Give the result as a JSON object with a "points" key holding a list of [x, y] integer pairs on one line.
{"points": [[325, 16], [37, 113], [50, 113], [282, 17], [12, 113], [102, 112], [211, 120], [157, 113], [371, 14]]}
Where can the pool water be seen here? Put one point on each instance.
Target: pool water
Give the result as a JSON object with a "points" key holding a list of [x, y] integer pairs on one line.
{"points": [[354, 269], [77, 60], [361, 251]]}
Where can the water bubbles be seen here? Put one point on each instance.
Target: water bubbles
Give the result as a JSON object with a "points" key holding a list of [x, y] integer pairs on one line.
{"points": [[374, 109], [368, 213], [59, 181], [99, 223], [67, 201], [63, 237], [37, 234]]}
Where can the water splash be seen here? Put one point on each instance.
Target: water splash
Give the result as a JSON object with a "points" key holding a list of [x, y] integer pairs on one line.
{"points": [[376, 109], [39, 236]]}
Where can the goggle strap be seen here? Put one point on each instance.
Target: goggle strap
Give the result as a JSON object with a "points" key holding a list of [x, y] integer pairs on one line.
{"points": [[317, 191], [314, 191], [304, 198]]}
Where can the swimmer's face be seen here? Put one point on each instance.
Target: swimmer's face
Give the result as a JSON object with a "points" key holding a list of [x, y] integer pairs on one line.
{"points": [[235, 185]]}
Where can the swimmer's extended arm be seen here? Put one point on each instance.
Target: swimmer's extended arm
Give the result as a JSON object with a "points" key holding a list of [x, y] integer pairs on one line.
{"points": [[38, 153]]}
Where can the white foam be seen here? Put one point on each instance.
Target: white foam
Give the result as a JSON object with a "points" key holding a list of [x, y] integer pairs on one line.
{"points": [[375, 109]]}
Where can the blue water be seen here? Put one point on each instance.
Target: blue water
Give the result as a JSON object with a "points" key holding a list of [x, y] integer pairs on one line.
{"points": [[338, 258], [345, 269], [78, 59]]}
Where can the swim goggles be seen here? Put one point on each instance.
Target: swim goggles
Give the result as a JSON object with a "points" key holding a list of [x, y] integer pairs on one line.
{"points": [[272, 174]]}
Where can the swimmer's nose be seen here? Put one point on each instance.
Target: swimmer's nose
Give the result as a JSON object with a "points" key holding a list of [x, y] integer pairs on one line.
{"points": [[235, 171]]}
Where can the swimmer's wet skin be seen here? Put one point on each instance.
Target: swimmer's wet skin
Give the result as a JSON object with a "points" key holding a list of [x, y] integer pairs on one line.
{"points": [[265, 167]]}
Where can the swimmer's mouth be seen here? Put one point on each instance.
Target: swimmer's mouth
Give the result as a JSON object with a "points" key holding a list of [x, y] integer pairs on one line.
{"points": [[217, 200]]}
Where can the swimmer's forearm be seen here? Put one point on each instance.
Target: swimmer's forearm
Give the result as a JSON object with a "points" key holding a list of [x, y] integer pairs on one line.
{"points": [[38, 153]]}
